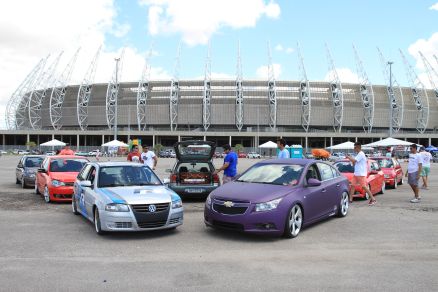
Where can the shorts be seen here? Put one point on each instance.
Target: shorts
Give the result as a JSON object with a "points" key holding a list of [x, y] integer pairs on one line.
{"points": [[359, 181], [227, 179], [425, 170], [412, 178]]}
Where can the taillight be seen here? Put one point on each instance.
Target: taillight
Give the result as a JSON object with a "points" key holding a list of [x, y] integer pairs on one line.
{"points": [[173, 178], [216, 179]]}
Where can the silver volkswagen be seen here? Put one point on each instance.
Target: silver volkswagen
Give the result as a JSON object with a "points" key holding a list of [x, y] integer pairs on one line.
{"points": [[125, 196]]}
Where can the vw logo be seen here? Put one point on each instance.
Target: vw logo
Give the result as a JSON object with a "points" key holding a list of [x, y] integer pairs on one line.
{"points": [[152, 208]]}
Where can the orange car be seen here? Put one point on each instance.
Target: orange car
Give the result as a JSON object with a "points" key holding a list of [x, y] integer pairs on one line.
{"points": [[375, 177], [56, 176]]}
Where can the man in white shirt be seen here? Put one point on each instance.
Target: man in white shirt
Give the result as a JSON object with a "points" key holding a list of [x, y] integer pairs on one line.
{"points": [[284, 153], [425, 169], [360, 173], [415, 165], [148, 157]]}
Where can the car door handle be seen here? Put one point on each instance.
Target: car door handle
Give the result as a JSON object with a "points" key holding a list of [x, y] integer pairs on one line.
{"points": [[323, 190], [337, 185]]}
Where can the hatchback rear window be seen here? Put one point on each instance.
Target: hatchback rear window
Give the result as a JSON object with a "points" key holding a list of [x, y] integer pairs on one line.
{"points": [[193, 167]]}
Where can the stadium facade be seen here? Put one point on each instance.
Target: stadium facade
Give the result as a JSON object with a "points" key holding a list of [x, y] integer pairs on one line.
{"points": [[249, 112]]}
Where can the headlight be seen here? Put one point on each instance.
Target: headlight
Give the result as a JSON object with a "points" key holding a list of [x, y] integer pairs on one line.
{"points": [[117, 208], [268, 205], [176, 204], [208, 201], [57, 183], [386, 175]]}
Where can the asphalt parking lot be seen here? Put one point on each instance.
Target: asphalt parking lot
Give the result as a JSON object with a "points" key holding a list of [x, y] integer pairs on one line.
{"points": [[392, 246]]}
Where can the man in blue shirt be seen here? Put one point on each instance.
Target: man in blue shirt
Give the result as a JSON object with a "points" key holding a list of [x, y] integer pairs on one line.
{"points": [[230, 165], [284, 153]]}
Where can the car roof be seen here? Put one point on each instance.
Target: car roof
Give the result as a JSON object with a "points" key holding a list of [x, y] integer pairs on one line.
{"points": [[33, 155], [116, 163], [66, 156], [299, 161]]}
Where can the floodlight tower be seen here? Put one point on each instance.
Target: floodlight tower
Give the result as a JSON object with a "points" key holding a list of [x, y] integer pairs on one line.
{"points": [[84, 92], [272, 92], [366, 93], [305, 98], [39, 92], [239, 90], [206, 101], [112, 93], [58, 93], [395, 96], [15, 109], [431, 74], [174, 92], [419, 94], [336, 93], [142, 92]]}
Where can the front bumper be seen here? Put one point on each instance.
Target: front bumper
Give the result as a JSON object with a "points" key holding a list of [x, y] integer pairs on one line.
{"points": [[192, 190], [268, 222], [29, 180], [61, 194], [126, 221]]}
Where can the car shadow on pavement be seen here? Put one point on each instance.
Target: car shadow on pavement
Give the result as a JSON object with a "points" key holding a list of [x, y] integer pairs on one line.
{"points": [[237, 236]]}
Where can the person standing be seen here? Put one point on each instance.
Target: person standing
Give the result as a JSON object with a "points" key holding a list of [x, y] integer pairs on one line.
{"points": [[66, 150], [148, 157], [284, 153], [415, 166], [134, 155], [425, 169], [230, 165], [360, 173]]}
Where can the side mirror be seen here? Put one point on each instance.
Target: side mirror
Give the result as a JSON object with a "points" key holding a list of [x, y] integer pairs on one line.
{"points": [[20, 165], [313, 182], [41, 170], [166, 181], [85, 184], [168, 170], [374, 172]]}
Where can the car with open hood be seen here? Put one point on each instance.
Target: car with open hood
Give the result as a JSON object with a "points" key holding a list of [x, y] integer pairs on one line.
{"points": [[193, 173], [125, 196], [56, 176], [279, 197], [26, 169]]}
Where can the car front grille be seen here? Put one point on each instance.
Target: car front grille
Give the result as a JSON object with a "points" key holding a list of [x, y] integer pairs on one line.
{"points": [[152, 224], [123, 225], [144, 208], [229, 210], [69, 184], [228, 225]]}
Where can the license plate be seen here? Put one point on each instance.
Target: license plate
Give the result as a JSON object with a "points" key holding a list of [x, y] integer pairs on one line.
{"points": [[194, 190]]}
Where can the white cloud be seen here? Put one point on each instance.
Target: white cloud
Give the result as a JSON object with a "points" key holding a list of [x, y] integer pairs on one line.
{"points": [[121, 30], [289, 50], [279, 48], [262, 71], [198, 20], [427, 47], [434, 6], [345, 75]]}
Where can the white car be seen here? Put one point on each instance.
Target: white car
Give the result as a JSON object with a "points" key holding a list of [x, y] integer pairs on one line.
{"points": [[125, 196], [253, 155]]}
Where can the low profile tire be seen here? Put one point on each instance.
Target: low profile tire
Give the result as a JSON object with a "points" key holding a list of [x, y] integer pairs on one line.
{"points": [[74, 207], [37, 192], [294, 222], [343, 205], [382, 190], [46, 194], [97, 225], [401, 182]]}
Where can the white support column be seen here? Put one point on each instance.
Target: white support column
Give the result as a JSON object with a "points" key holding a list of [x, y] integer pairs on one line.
{"points": [[307, 143], [331, 141], [153, 141], [77, 142], [103, 139], [53, 136], [430, 142], [27, 141], [355, 139], [179, 138], [229, 140], [205, 138]]}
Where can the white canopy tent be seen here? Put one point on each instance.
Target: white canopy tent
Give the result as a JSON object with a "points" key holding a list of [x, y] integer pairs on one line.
{"points": [[388, 142], [269, 144], [115, 143], [53, 143], [347, 146]]}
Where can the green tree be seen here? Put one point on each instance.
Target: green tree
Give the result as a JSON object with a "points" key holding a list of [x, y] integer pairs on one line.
{"points": [[31, 144], [238, 148], [157, 148]]}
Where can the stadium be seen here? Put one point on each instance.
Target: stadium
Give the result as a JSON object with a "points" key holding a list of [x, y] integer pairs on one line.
{"points": [[248, 112]]}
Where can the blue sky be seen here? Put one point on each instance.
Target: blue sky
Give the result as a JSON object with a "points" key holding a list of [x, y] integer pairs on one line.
{"points": [[49, 26]]}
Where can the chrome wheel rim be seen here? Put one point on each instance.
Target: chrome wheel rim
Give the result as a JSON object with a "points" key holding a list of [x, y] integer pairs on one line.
{"points": [[73, 204], [96, 220], [344, 204], [383, 188], [46, 195], [295, 220]]}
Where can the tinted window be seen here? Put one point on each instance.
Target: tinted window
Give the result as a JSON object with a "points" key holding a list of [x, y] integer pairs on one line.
{"points": [[325, 171], [126, 175], [335, 172], [67, 165], [276, 174], [33, 161], [344, 167], [312, 172], [375, 166], [193, 167], [91, 175], [385, 163], [84, 173]]}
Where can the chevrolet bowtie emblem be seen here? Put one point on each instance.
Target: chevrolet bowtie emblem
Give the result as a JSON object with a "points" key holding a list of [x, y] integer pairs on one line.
{"points": [[228, 204]]}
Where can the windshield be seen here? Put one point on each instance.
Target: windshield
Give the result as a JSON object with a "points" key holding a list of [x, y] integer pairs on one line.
{"points": [[385, 163], [344, 167], [67, 165], [127, 175], [276, 174], [33, 161]]}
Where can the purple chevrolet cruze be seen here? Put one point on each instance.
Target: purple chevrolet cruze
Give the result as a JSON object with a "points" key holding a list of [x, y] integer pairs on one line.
{"points": [[279, 196]]}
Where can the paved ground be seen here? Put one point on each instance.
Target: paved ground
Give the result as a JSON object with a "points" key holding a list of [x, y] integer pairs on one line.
{"points": [[392, 246]]}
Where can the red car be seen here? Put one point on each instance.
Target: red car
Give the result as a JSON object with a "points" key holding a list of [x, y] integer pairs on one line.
{"points": [[242, 155], [56, 176], [392, 171], [375, 177]]}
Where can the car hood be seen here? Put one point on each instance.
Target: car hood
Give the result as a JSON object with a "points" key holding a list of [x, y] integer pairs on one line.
{"points": [[64, 176], [251, 192], [139, 194]]}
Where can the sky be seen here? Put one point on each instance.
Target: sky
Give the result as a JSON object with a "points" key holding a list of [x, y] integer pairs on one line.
{"points": [[154, 29]]}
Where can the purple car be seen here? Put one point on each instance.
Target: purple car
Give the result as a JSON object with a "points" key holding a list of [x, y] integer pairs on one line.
{"points": [[279, 196]]}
